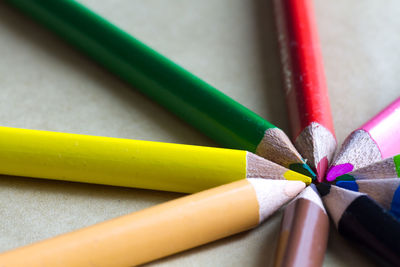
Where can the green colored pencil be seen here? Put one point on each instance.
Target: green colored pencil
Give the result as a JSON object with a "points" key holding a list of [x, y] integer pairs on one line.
{"points": [[215, 114]]}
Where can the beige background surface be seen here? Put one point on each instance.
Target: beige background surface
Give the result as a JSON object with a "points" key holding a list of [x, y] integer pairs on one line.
{"points": [[45, 84]]}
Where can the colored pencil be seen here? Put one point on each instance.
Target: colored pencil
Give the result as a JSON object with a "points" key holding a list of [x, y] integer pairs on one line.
{"points": [[386, 192], [198, 103], [164, 229], [387, 168], [306, 91], [375, 140], [304, 231], [360, 219], [130, 163]]}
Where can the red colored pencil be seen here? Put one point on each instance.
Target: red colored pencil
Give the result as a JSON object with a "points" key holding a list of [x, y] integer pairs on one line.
{"points": [[305, 85]]}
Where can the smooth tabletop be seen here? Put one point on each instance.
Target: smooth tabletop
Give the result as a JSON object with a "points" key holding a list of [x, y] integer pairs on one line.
{"points": [[232, 44]]}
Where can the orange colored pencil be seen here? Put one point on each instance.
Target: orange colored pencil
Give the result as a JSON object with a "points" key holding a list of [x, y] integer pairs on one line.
{"points": [[162, 230]]}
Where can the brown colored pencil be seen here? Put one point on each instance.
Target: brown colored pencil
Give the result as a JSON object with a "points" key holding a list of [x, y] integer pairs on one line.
{"points": [[304, 231]]}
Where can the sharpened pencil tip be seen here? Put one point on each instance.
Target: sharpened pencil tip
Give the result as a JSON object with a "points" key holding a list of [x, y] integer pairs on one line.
{"points": [[293, 188], [324, 189], [350, 185], [292, 175], [303, 169], [321, 169], [338, 170]]}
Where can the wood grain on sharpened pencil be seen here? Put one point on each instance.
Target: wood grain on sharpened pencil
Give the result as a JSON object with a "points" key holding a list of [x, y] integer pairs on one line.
{"points": [[215, 114], [362, 220], [375, 140], [130, 163], [164, 229], [386, 192], [306, 91], [387, 168], [304, 231]]}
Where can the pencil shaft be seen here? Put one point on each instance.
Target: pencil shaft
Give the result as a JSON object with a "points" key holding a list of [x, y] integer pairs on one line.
{"points": [[304, 232], [384, 129], [368, 224], [116, 161], [215, 114], [306, 90], [304, 235], [149, 234], [163, 229]]}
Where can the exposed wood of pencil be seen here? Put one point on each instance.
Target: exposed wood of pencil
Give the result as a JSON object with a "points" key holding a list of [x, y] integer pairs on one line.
{"points": [[382, 191], [318, 146], [379, 170], [162, 230], [337, 200], [275, 144], [357, 151], [304, 231], [258, 167]]}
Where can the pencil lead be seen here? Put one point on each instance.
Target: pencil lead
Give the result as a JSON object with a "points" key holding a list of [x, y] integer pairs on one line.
{"points": [[345, 177], [349, 185], [338, 170], [303, 169], [295, 176], [324, 189]]}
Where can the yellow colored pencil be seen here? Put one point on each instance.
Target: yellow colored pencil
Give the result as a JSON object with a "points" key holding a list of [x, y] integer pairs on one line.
{"points": [[130, 163], [162, 230]]}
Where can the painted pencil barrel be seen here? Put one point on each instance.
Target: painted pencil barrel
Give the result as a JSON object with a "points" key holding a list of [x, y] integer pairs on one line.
{"points": [[149, 234], [116, 161], [198, 103], [304, 232], [306, 90], [384, 129]]}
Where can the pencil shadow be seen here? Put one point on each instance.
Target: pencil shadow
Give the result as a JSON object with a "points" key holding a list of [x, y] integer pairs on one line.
{"points": [[43, 40], [77, 190], [267, 47], [57, 204], [345, 252]]}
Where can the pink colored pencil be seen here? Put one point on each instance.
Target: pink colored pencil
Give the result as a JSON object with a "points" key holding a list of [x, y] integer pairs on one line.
{"points": [[375, 140]]}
